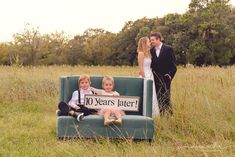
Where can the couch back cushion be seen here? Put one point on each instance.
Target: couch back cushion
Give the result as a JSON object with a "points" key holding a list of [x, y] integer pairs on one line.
{"points": [[128, 86]]}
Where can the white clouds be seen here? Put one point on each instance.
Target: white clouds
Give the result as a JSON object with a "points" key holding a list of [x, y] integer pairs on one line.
{"points": [[75, 16]]}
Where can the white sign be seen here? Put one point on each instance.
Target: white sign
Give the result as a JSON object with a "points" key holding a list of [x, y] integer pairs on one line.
{"points": [[125, 103]]}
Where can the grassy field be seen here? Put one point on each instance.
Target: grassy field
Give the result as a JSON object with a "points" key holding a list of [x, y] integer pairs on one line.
{"points": [[203, 123]]}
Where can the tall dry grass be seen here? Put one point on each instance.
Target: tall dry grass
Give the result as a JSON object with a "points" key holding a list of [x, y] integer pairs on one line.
{"points": [[203, 123]]}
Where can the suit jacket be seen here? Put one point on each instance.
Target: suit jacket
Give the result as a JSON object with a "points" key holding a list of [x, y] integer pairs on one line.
{"points": [[165, 63]]}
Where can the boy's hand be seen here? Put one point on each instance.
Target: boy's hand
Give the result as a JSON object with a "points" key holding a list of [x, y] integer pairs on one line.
{"points": [[77, 107]]}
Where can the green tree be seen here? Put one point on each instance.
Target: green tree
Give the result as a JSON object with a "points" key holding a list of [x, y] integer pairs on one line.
{"points": [[97, 46], [209, 30], [4, 55], [53, 48], [27, 43]]}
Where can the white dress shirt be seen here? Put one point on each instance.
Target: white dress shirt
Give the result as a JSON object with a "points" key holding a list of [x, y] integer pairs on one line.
{"points": [[158, 49], [74, 100]]}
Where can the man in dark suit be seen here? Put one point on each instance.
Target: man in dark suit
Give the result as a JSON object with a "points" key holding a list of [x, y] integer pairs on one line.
{"points": [[164, 68]]}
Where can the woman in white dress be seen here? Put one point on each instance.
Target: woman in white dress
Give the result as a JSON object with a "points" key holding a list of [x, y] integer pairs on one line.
{"points": [[144, 62]]}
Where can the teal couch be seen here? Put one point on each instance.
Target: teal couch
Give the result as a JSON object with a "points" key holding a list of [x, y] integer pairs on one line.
{"points": [[135, 125]]}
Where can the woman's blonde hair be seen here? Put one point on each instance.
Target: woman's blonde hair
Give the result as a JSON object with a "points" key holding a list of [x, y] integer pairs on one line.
{"points": [[107, 78], [143, 47], [84, 77]]}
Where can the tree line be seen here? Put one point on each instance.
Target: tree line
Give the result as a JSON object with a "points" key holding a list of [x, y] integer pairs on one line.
{"points": [[204, 35]]}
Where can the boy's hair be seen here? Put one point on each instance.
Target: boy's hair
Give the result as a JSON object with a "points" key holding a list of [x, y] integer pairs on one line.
{"points": [[84, 77], [108, 78]]}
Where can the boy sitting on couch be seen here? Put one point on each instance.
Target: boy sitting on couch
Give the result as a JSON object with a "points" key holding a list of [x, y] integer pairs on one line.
{"points": [[75, 106]]}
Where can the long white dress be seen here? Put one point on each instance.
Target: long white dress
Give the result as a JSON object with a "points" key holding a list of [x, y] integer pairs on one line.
{"points": [[149, 75]]}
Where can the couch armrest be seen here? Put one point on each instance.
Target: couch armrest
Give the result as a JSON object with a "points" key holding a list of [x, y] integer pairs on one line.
{"points": [[62, 88], [147, 97]]}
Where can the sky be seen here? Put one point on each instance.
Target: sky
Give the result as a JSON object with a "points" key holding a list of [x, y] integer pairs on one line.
{"points": [[75, 16]]}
